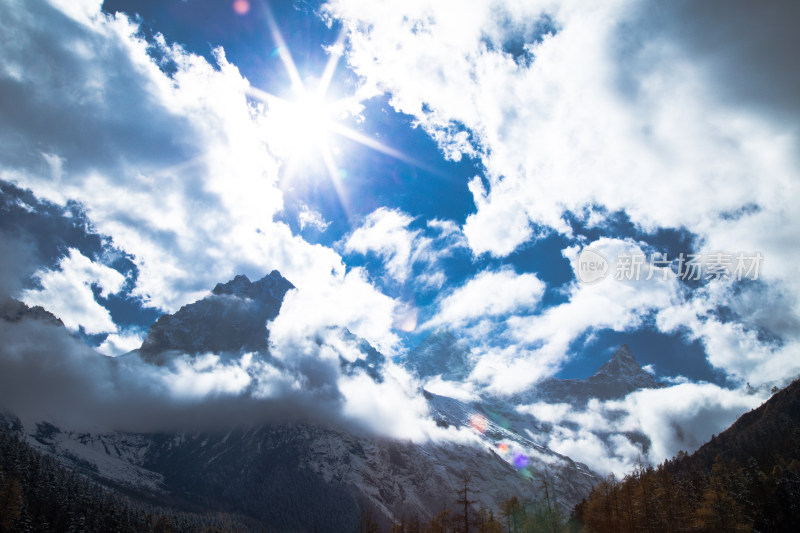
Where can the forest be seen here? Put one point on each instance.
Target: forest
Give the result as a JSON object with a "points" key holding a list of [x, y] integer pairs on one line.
{"points": [[745, 479], [38, 494]]}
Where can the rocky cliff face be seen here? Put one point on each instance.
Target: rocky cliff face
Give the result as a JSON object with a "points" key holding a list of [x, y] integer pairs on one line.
{"points": [[232, 318]]}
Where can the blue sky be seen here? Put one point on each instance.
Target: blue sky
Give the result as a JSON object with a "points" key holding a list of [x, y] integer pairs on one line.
{"points": [[460, 160]]}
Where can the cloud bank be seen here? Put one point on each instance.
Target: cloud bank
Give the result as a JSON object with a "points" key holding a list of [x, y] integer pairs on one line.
{"points": [[677, 117]]}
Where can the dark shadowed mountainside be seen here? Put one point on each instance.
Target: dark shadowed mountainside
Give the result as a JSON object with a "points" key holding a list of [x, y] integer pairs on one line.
{"points": [[745, 479]]}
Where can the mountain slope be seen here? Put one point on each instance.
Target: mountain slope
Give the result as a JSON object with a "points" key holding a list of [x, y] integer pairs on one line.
{"points": [[769, 434], [745, 479], [314, 476]]}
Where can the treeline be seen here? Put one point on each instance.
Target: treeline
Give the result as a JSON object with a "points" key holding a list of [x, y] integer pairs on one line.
{"points": [[745, 479], [38, 494], [730, 498], [464, 516]]}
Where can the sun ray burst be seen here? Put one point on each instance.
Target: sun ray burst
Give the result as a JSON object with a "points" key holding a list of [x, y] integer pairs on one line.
{"points": [[308, 119]]}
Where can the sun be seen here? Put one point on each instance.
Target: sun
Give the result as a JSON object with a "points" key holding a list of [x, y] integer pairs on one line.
{"points": [[310, 118], [304, 126], [301, 125]]}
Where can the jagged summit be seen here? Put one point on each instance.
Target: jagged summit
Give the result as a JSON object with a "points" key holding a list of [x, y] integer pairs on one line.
{"points": [[267, 287], [623, 356], [237, 285], [232, 319], [12, 310], [617, 377], [621, 365]]}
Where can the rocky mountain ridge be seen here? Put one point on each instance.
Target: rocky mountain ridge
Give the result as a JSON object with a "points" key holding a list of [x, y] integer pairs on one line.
{"points": [[231, 319], [343, 472]]}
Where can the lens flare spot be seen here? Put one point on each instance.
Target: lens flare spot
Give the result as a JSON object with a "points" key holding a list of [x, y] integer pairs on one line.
{"points": [[241, 7], [478, 422], [502, 448], [520, 461], [406, 318]]}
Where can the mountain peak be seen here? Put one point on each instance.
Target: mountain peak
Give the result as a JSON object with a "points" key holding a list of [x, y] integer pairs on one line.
{"points": [[219, 323], [235, 286], [273, 284], [622, 366], [12, 310], [624, 356]]}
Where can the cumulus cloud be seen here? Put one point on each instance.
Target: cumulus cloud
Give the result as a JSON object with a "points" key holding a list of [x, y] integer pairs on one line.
{"points": [[535, 345], [758, 347], [678, 117], [122, 342], [350, 303], [387, 234], [675, 418], [489, 294], [67, 292], [579, 115], [312, 219]]}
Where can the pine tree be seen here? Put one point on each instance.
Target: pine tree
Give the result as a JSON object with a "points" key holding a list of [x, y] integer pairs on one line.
{"points": [[464, 501]]}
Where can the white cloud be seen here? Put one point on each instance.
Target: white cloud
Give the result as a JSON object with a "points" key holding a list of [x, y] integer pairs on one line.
{"points": [[120, 343], [555, 130], [385, 232], [393, 407], [616, 109], [462, 391], [489, 294], [67, 292], [684, 416], [206, 376], [540, 343], [680, 417], [736, 346], [350, 303], [312, 219]]}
